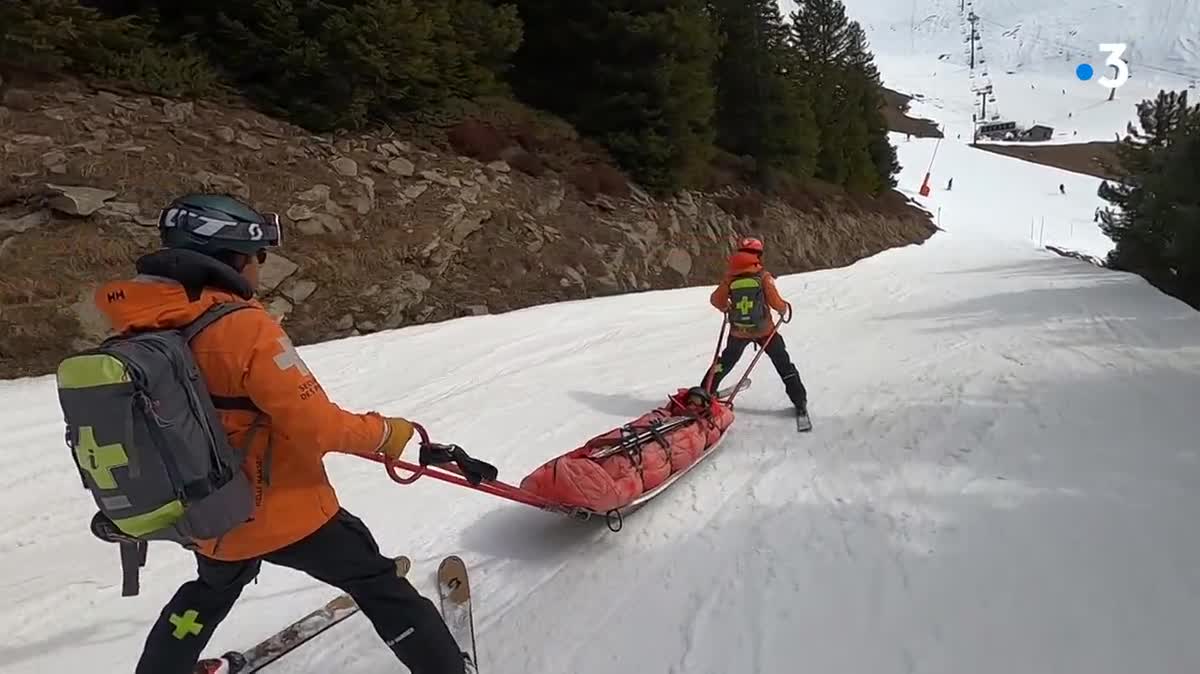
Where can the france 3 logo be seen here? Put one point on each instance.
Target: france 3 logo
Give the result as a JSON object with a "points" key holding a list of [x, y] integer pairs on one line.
{"points": [[1116, 53]]}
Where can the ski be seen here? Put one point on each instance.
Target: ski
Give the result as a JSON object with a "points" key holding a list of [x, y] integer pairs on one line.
{"points": [[291, 637], [454, 591], [737, 388]]}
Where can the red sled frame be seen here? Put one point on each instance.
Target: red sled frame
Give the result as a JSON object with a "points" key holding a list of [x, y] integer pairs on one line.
{"points": [[613, 518]]}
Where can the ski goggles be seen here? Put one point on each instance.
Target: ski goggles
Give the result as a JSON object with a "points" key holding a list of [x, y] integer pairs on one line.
{"points": [[241, 233]]}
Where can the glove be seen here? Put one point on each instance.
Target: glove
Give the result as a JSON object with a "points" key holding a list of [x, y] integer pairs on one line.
{"points": [[399, 432]]}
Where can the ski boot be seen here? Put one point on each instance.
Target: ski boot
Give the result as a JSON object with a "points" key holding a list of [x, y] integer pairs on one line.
{"points": [[230, 663]]}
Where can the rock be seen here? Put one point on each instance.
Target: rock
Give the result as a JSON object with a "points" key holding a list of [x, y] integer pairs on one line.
{"points": [[121, 210], [249, 140], [222, 183], [679, 260], [54, 158], [477, 309], [687, 205], [93, 325], [415, 191], [436, 176], [279, 308], [367, 326], [31, 139], [360, 203], [299, 290], [500, 166], [470, 194], [298, 212], [345, 166], [574, 276], [346, 322], [401, 167], [59, 114], [178, 113], [387, 149], [25, 222], [408, 290], [320, 223], [77, 200], [225, 133], [315, 193], [274, 271], [550, 203]]}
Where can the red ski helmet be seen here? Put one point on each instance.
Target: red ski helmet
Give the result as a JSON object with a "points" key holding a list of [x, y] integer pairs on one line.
{"points": [[750, 244]]}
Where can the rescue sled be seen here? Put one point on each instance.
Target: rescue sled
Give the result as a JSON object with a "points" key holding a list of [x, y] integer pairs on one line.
{"points": [[608, 476]]}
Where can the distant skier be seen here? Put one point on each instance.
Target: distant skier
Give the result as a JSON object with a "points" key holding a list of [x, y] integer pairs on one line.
{"points": [[272, 405], [746, 294]]}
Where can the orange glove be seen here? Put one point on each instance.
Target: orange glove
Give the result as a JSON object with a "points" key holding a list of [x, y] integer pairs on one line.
{"points": [[399, 432]]}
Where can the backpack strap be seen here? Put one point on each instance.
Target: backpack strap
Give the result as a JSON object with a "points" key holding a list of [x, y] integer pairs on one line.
{"points": [[211, 315]]}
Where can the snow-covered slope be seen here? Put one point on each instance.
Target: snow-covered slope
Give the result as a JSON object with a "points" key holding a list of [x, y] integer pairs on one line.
{"points": [[1002, 477], [1027, 51]]}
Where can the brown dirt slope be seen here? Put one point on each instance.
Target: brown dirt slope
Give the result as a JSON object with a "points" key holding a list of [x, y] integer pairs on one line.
{"points": [[491, 209], [1097, 159], [896, 112]]}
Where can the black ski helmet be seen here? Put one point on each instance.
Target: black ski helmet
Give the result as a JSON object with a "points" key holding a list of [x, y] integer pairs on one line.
{"points": [[213, 223]]}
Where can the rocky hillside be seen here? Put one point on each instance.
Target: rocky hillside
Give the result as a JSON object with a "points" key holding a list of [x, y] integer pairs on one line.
{"points": [[382, 230]]}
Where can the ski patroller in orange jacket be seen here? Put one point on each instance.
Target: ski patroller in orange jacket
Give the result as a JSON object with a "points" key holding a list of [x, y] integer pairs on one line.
{"points": [[741, 264], [247, 354]]}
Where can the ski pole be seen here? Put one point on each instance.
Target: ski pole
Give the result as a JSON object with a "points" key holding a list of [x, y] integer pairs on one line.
{"points": [[708, 378], [786, 318]]}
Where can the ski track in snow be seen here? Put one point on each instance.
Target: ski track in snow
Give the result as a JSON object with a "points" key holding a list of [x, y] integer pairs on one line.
{"points": [[1002, 475]]}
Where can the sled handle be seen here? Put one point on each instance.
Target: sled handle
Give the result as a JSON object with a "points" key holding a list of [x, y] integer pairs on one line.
{"points": [[391, 465]]}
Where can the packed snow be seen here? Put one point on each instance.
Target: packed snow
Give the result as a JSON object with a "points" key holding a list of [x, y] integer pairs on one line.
{"points": [[1002, 477]]}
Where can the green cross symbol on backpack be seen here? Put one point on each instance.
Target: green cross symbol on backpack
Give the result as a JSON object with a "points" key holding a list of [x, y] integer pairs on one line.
{"points": [[747, 302]]}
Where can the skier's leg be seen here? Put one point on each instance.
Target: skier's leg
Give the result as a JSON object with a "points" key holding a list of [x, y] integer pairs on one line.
{"points": [[343, 553], [187, 622], [777, 352], [734, 348]]}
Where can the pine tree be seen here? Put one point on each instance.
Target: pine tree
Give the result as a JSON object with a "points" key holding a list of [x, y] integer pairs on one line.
{"points": [[1156, 227], [830, 55], [342, 63], [760, 111], [633, 74]]}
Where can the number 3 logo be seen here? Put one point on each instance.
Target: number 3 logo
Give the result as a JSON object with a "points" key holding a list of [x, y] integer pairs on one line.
{"points": [[1115, 51]]}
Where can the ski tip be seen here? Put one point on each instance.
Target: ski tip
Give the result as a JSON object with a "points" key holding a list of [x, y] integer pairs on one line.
{"points": [[403, 565]]}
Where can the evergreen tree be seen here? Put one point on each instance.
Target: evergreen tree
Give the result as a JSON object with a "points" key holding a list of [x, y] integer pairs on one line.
{"points": [[633, 74], [1156, 227], [829, 54], [760, 111], [341, 63]]}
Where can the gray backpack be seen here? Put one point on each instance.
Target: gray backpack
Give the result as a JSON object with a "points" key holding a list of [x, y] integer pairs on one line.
{"points": [[148, 442], [748, 302]]}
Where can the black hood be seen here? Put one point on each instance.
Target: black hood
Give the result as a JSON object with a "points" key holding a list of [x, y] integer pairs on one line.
{"points": [[194, 271]]}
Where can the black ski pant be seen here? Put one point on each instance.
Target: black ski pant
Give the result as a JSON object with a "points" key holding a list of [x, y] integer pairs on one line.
{"points": [[342, 553], [777, 352]]}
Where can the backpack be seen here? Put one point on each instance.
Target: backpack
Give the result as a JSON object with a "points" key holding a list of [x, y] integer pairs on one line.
{"points": [[747, 302], [148, 443]]}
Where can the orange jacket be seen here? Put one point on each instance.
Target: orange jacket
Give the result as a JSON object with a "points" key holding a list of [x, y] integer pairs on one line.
{"points": [[748, 263], [247, 354]]}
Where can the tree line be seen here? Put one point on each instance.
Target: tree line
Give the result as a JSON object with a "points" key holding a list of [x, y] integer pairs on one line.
{"points": [[1155, 224], [667, 86]]}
